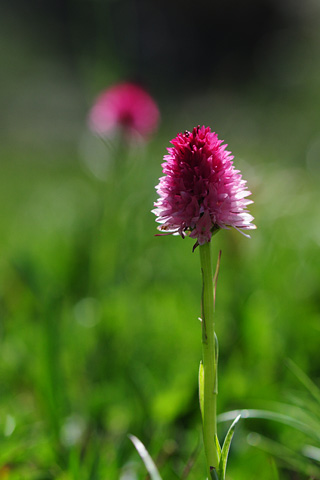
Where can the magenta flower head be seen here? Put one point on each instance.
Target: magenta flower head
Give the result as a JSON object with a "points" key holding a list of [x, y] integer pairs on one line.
{"points": [[201, 191], [126, 107]]}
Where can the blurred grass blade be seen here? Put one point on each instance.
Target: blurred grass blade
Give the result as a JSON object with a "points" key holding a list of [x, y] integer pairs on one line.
{"points": [[308, 408], [286, 455], [269, 415], [191, 461], [311, 452], [226, 448], [304, 379], [274, 469], [147, 460]]}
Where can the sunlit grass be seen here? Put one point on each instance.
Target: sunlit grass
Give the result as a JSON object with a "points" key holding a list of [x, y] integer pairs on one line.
{"points": [[99, 331]]}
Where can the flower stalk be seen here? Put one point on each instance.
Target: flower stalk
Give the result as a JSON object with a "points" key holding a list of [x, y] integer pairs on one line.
{"points": [[209, 352], [200, 194]]}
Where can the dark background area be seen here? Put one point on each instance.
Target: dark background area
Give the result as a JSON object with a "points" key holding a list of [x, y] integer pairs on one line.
{"points": [[168, 45]]}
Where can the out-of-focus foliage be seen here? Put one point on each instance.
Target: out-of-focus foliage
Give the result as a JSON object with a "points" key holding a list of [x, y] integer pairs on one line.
{"points": [[99, 334]]}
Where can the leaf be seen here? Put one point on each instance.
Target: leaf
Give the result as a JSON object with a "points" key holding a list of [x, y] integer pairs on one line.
{"points": [[308, 408], [304, 379], [274, 469], [226, 448], [147, 460], [213, 474], [216, 441], [269, 415], [191, 461], [312, 452], [286, 455]]}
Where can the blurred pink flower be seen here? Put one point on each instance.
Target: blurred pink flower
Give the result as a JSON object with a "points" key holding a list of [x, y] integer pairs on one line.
{"points": [[125, 107], [201, 192]]}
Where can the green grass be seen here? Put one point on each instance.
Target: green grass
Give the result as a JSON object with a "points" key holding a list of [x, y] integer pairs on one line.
{"points": [[99, 331]]}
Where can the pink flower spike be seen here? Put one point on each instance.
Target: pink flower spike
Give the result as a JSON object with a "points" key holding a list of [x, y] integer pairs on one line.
{"points": [[201, 191], [125, 107]]}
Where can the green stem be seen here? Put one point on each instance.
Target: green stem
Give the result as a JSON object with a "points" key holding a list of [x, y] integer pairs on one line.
{"points": [[209, 414]]}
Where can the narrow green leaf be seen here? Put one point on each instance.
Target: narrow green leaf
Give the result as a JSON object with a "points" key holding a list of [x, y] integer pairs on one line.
{"points": [[147, 460], [308, 407], [269, 415], [226, 448], [312, 452], [304, 379], [216, 441], [213, 474], [201, 388], [297, 462], [274, 469]]}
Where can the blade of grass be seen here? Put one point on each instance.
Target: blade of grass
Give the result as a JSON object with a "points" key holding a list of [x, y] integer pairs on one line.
{"points": [[274, 469], [225, 449], [147, 460], [269, 415], [304, 379], [286, 455]]}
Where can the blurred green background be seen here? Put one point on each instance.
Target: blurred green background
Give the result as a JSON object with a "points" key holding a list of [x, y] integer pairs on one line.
{"points": [[99, 334]]}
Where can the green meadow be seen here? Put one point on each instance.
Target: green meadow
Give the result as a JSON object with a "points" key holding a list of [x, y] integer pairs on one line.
{"points": [[99, 329]]}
